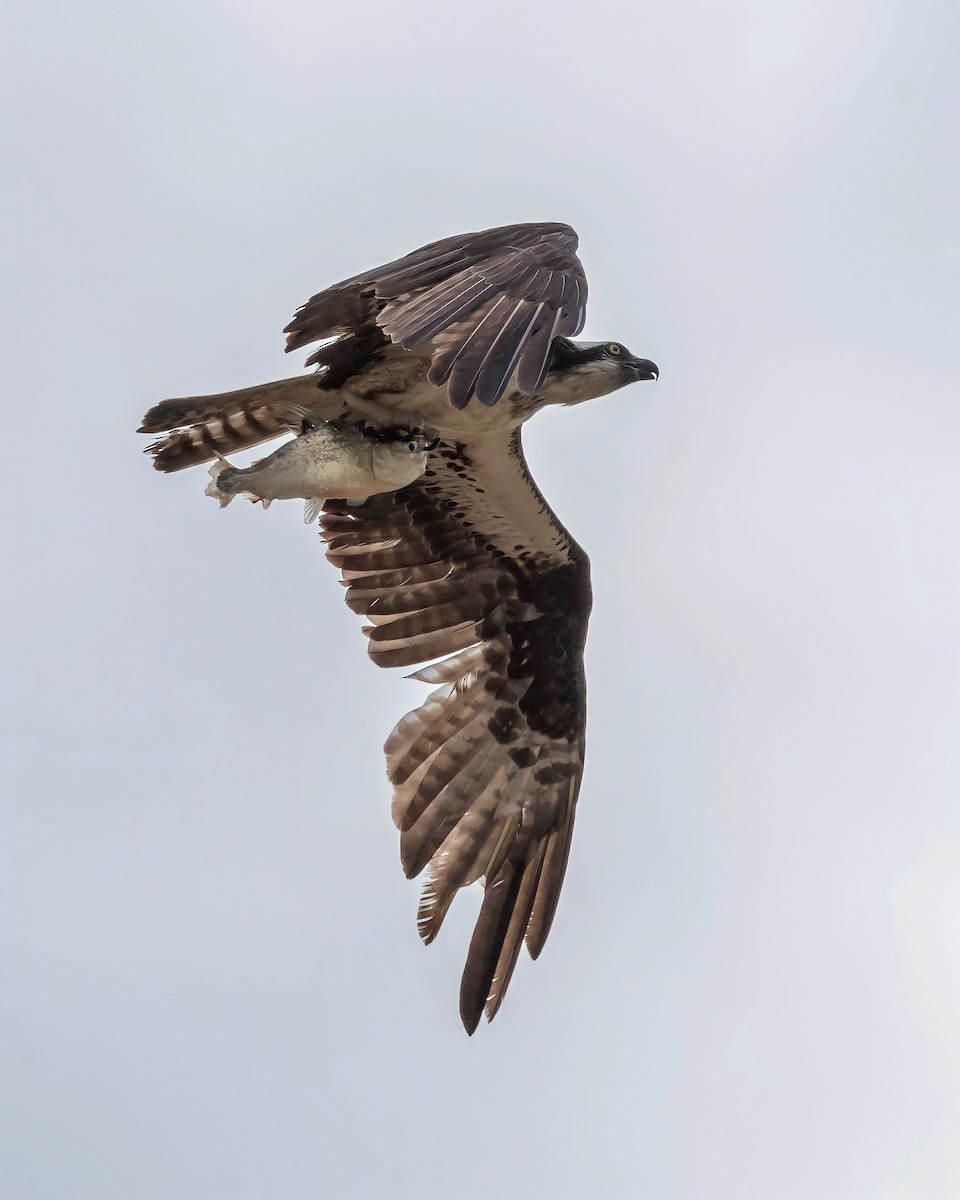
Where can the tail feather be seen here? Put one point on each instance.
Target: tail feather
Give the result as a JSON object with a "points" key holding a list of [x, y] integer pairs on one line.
{"points": [[189, 410], [229, 421]]}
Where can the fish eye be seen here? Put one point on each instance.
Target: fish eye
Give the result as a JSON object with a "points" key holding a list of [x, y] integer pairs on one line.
{"points": [[412, 447], [615, 349]]}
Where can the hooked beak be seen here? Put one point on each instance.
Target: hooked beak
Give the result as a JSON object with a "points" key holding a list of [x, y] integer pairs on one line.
{"points": [[643, 368]]}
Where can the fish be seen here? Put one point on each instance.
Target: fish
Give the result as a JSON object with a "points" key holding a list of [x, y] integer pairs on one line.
{"points": [[336, 460]]}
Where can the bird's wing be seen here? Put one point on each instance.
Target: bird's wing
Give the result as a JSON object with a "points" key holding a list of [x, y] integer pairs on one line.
{"points": [[489, 304], [471, 565]]}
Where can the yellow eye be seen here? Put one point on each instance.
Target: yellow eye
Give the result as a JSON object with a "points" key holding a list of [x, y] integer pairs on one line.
{"points": [[614, 349]]}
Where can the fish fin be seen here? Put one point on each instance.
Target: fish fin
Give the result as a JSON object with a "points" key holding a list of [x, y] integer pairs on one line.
{"points": [[213, 488], [266, 503], [311, 510]]}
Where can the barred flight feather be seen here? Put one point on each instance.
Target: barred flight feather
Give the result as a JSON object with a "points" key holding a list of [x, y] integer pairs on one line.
{"points": [[467, 703], [423, 784], [486, 771], [458, 783], [441, 721], [482, 586]]}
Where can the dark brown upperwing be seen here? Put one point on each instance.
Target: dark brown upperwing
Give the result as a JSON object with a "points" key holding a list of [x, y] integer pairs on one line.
{"points": [[490, 303], [486, 772]]}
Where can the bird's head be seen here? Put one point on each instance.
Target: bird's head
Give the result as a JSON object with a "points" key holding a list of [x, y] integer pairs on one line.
{"points": [[582, 370]]}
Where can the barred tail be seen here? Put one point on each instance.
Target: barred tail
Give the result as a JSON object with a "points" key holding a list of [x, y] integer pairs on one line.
{"points": [[215, 425]]}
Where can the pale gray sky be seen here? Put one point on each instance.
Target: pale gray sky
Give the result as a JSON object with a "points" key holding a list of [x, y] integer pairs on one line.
{"points": [[213, 987]]}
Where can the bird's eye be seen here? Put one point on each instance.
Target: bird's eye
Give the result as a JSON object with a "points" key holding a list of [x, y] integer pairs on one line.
{"points": [[412, 447], [614, 349]]}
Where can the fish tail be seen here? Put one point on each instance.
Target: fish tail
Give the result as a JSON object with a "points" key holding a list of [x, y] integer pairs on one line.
{"points": [[218, 485]]}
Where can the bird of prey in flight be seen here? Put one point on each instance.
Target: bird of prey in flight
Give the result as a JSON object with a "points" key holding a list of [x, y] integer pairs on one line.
{"points": [[467, 569]]}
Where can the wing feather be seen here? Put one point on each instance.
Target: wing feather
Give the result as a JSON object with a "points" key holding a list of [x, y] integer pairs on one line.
{"points": [[469, 564], [500, 900], [455, 726], [551, 876], [405, 651], [501, 359], [509, 949], [477, 771], [482, 301]]}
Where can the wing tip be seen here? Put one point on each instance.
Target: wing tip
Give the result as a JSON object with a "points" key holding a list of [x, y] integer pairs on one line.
{"points": [[470, 1017]]}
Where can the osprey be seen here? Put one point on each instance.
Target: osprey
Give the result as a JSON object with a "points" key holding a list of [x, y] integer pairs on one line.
{"points": [[467, 337]]}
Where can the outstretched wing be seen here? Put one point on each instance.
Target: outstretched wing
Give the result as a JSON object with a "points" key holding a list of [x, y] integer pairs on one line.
{"points": [[489, 304], [470, 565]]}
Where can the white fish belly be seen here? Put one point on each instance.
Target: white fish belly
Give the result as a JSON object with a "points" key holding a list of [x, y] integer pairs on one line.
{"points": [[300, 480]]}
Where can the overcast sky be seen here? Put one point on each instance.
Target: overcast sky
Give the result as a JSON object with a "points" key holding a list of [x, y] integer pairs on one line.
{"points": [[213, 986]]}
